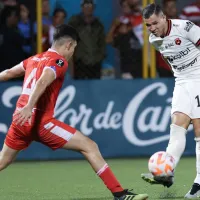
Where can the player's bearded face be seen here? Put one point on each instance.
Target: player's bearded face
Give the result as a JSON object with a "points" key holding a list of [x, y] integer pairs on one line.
{"points": [[156, 24]]}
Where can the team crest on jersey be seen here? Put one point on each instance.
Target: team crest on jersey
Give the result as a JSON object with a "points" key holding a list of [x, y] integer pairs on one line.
{"points": [[188, 26], [178, 41], [60, 62]]}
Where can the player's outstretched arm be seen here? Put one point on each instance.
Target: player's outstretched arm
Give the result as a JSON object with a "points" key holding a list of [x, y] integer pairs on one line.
{"points": [[24, 114], [14, 72]]}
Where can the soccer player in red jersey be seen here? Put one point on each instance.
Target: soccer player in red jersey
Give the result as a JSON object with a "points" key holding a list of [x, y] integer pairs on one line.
{"points": [[33, 118]]}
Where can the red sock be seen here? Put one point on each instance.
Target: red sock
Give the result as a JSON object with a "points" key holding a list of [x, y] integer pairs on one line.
{"points": [[109, 179]]}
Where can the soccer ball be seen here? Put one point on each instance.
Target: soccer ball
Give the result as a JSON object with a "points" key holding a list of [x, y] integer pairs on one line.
{"points": [[161, 164]]}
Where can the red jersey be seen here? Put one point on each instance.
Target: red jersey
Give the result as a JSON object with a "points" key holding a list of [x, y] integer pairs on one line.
{"points": [[137, 25], [161, 63], [44, 128], [34, 67]]}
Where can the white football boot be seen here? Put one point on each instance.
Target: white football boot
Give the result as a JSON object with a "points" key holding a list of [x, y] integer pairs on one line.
{"points": [[194, 192]]}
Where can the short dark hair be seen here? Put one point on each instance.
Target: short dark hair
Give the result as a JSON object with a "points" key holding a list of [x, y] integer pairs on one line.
{"points": [[65, 30], [57, 10], [151, 9]]}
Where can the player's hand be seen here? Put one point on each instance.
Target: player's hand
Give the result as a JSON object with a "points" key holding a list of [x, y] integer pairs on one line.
{"points": [[23, 115]]}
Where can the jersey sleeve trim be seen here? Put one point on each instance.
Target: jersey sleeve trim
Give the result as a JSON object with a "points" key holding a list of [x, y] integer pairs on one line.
{"points": [[198, 43], [22, 65], [52, 70]]}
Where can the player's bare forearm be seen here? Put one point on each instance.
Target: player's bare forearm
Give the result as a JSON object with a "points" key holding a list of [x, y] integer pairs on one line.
{"points": [[14, 72], [39, 89], [5, 75], [8, 74], [44, 81]]}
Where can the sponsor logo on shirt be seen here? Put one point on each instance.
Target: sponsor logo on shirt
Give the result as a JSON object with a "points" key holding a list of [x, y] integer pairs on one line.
{"points": [[177, 41], [188, 26], [176, 25], [167, 46], [180, 55], [184, 66]]}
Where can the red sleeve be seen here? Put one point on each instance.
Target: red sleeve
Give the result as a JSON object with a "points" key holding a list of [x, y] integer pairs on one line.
{"points": [[24, 63], [58, 65]]}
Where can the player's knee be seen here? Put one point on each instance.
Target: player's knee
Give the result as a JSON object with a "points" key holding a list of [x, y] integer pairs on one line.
{"points": [[181, 119], [94, 147], [90, 147]]}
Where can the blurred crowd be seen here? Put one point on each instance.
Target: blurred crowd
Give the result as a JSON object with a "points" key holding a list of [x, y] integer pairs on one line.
{"points": [[18, 32]]}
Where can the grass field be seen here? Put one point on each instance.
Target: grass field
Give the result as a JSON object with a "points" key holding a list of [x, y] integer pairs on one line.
{"points": [[74, 180]]}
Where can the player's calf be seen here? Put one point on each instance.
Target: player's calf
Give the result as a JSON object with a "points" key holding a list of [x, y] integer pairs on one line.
{"points": [[90, 150], [4, 163], [7, 155], [177, 142]]}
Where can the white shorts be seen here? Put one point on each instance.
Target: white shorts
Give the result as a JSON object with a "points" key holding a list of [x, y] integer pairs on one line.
{"points": [[186, 99]]}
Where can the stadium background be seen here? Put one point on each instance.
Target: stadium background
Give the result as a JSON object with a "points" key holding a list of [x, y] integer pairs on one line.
{"points": [[128, 119], [131, 118], [132, 115]]}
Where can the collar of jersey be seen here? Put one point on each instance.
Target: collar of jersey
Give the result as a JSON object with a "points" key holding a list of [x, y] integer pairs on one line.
{"points": [[169, 22], [52, 50]]}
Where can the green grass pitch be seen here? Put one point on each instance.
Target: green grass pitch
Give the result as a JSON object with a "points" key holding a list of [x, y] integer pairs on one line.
{"points": [[75, 180]]}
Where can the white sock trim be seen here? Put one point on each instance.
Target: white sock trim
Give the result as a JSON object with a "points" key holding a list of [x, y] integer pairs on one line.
{"points": [[102, 169]]}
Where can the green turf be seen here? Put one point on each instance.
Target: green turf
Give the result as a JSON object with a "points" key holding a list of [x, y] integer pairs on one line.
{"points": [[74, 180]]}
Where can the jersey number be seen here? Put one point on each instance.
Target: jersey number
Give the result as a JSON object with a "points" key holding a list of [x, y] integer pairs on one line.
{"points": [[198, 102], [30, 83]]}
